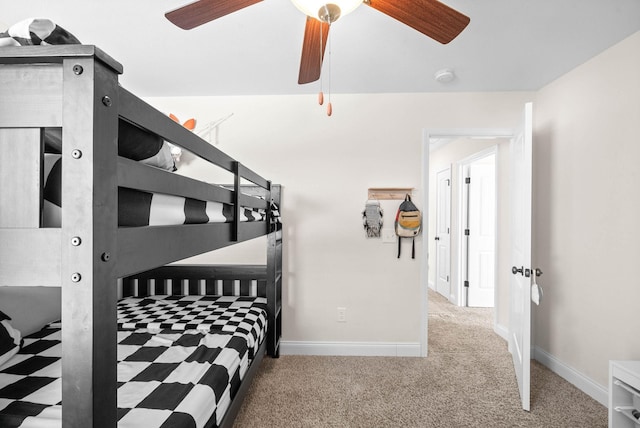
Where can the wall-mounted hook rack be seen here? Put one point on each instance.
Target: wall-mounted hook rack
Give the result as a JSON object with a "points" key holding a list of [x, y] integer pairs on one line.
{"points": [[381, 193]]}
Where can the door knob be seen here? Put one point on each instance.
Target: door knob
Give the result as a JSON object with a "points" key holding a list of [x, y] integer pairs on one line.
{"points": [[526, 272], [437, 238]]}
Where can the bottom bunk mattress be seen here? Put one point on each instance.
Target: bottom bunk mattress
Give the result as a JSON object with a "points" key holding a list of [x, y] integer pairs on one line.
{"points": [[180, 363]]}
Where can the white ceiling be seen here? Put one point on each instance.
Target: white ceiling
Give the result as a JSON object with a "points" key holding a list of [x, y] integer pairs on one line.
{"points": [[510, 45]]}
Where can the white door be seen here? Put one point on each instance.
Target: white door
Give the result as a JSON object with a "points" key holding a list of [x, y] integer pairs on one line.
{"points": [[443, 227], [520, 284], [481, 232]]}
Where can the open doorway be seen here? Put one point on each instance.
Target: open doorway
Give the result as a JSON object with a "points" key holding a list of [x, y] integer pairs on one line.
{"points": [[457, 149], [475, 227]]}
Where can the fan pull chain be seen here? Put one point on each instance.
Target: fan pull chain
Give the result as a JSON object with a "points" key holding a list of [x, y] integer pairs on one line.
{"points": [[329, 106], [320, 94]]}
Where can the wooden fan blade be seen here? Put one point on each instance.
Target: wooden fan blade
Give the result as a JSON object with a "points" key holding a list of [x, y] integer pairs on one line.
{"points": [[312, 56], [202, 11], [430, 17]]}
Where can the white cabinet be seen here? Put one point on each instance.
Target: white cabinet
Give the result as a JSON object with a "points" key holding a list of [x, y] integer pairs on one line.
{"points": [[624, 394]]}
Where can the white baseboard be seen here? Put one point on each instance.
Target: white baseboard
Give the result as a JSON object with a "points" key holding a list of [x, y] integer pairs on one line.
{"points": [[501, 331], [571, 375], [360, 349]]}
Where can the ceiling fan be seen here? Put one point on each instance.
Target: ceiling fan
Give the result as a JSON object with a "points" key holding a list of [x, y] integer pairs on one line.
{"points": [[430, 17]]}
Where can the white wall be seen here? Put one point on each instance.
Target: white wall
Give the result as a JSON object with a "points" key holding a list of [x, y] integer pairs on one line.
{"points": [[586, 211], [326, 166]]}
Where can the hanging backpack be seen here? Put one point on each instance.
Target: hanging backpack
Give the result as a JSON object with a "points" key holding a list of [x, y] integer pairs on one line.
{"points": [[408, 224], [372, 218]]}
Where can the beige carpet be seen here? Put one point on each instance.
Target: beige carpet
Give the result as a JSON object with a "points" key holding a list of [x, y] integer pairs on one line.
{"points": [[466, 381]]}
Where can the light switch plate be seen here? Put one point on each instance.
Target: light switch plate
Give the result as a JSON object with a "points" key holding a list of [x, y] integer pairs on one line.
{"points": [[388, 236]]}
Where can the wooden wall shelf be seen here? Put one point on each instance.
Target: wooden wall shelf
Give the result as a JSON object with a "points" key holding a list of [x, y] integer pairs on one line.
{"points": [[381, 193]]}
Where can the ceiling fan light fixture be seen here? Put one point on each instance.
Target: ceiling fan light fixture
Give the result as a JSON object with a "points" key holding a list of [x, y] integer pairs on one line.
{"points": [[326, 12]]}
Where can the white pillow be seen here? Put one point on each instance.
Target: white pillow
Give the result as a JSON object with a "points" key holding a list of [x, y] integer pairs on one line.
{"points": [[163, 159], [10, 339]]}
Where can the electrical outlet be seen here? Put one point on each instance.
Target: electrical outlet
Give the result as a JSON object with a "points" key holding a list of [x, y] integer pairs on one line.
{"points": [[342, 314]]}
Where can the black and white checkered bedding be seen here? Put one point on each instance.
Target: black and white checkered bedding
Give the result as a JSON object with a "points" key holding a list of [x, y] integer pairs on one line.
{"points": [[237, 315], [166, 378]]}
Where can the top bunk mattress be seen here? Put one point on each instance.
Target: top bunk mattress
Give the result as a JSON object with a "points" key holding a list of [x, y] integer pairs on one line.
{"points": [[139, 208]]}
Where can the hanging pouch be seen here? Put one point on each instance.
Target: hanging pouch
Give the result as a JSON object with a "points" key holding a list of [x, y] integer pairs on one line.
{"points": [[372, 218]]}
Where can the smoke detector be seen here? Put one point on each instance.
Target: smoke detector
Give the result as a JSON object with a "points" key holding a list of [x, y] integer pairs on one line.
{"points": [[445, 75]]}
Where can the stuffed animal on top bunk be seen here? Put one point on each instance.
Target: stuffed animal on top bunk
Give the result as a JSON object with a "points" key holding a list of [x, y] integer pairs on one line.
{"points": [[190, 124]]}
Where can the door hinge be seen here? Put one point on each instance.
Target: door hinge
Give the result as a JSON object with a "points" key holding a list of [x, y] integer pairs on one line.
{"points": [[466, 283], [467, 180], [466, 232], [447, 278]]}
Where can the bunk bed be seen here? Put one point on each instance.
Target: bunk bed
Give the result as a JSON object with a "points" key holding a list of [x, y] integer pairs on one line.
{"points": [[104, 266]]}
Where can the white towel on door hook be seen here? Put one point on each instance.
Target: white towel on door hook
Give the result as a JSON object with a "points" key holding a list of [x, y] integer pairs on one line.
{"points": [[536, 291]]}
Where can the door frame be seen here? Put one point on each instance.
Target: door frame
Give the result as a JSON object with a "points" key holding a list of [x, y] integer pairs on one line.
{"points": [[463, 208], [427, 135]]}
